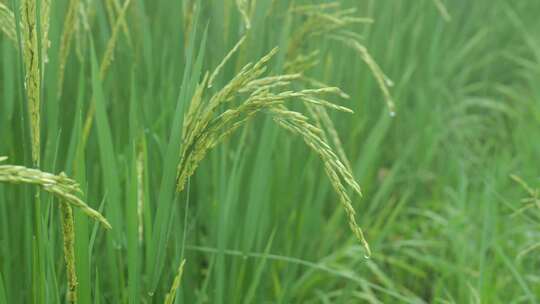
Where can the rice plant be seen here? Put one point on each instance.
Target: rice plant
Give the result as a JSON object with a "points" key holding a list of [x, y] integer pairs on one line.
{"points": [[232, 149]]}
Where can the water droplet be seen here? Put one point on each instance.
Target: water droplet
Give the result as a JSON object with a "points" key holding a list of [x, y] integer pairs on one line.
{"points": [[388, 81], [392, 114], [367, 257]]}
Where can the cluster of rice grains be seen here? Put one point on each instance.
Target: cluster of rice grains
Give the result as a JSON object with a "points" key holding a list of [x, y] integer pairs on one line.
{"points": [[59, 185], [205, 125], [67, 191]]}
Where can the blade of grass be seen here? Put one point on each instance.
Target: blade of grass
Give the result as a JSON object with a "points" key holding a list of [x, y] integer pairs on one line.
{"points": [[163, 216]]}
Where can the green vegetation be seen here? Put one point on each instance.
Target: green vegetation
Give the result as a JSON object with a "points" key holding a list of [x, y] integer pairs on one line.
{"points": [[225, 142]]}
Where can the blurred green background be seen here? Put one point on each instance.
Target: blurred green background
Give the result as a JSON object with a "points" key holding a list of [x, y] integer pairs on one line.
{"points": [[259, 222]]}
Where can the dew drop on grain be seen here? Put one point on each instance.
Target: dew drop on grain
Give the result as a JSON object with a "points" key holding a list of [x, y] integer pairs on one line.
{"points": [[388, 81]]}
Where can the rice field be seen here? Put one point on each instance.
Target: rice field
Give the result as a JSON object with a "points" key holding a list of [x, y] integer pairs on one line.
{"points": [[269, 151]]}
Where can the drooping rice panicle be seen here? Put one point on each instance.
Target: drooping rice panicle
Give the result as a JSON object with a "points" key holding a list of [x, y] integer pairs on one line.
{"points": [[335, 170], [300, 124], [32, 75], [60, 185], [196, 124], [326, 124], [337, 22], [382, 80], [319, 114], [336, 28], [201, 131], [198, 143], [171, 296], [204, 127], [321, 20], [330, 21], [323, 122]]}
